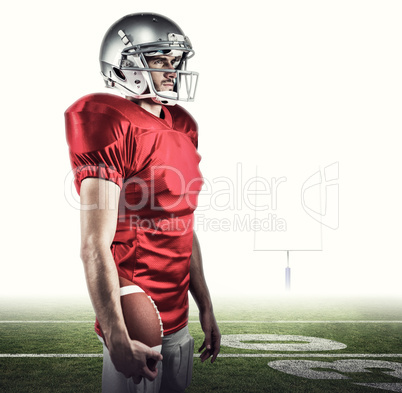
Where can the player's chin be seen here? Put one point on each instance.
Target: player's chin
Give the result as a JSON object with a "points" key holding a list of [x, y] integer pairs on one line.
{"points": [[167, 88]]}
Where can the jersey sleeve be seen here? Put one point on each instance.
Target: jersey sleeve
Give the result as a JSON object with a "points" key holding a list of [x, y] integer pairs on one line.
{"points": [[95, 133]]}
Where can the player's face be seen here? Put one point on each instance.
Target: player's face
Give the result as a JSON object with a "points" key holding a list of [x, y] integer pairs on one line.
{"points": [[163, 81]]}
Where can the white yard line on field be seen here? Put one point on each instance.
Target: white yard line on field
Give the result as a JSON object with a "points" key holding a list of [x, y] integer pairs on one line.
{"points": [[328, 321], [227, 355]]}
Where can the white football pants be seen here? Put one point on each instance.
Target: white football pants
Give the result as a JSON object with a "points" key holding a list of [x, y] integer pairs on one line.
{"points": [[174, 372]]}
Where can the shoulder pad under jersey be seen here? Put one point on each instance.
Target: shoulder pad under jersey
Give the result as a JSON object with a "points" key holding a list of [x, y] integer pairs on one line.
{"points": [[95, 121]]}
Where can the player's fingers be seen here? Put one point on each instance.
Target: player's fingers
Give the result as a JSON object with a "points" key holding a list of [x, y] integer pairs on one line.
{"points": [[137, 379], [156, 356], [213, 351], [151, 363], [205, 355], [201, 347], [152, 360], [149, 374], [216, 348], [207, 340], [215, 354], [150, 371]]}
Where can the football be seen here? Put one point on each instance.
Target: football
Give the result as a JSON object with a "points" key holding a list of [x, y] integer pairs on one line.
{"points": [[141, 315]]}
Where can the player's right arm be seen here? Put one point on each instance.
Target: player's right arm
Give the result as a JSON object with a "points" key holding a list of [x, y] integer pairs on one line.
{"points": [[99, 207]]}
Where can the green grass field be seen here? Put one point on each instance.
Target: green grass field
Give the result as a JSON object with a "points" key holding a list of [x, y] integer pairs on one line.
{"points": [[288, 344]]}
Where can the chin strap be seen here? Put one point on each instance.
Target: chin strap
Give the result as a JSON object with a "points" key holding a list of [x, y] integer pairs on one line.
{"points": [[172, 100]]}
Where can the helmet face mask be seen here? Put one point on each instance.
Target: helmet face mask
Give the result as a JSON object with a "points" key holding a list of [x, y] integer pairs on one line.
{"points": [[128, 44]]}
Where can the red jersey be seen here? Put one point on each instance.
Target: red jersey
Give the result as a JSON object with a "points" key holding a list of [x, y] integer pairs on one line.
{"points": [[155, 163]]}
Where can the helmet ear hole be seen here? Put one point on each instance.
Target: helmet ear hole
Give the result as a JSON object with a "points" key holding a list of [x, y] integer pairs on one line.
{"points": [[119, 74]]}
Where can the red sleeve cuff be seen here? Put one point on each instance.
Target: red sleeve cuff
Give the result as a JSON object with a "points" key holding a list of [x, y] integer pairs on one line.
{"points": [[98, 171]]}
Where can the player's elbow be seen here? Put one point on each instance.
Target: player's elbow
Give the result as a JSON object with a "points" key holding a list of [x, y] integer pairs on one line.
{"points": [[92, 248], [86, 252]]}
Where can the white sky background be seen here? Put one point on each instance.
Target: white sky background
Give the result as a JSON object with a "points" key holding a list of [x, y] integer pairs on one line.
{"points": [[288, 87]]}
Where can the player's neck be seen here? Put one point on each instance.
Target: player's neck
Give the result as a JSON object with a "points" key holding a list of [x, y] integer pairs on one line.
{"points": [[149, 105]]}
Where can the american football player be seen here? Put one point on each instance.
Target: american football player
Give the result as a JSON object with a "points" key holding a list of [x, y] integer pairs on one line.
{"points": [[135, 160]]}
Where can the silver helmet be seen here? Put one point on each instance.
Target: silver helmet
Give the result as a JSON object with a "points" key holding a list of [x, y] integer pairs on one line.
{"points": [[128, 43]]}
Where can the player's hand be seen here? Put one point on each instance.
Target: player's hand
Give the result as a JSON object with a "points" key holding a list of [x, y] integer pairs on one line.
{"points": [[212, 341], [134, 359]]}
